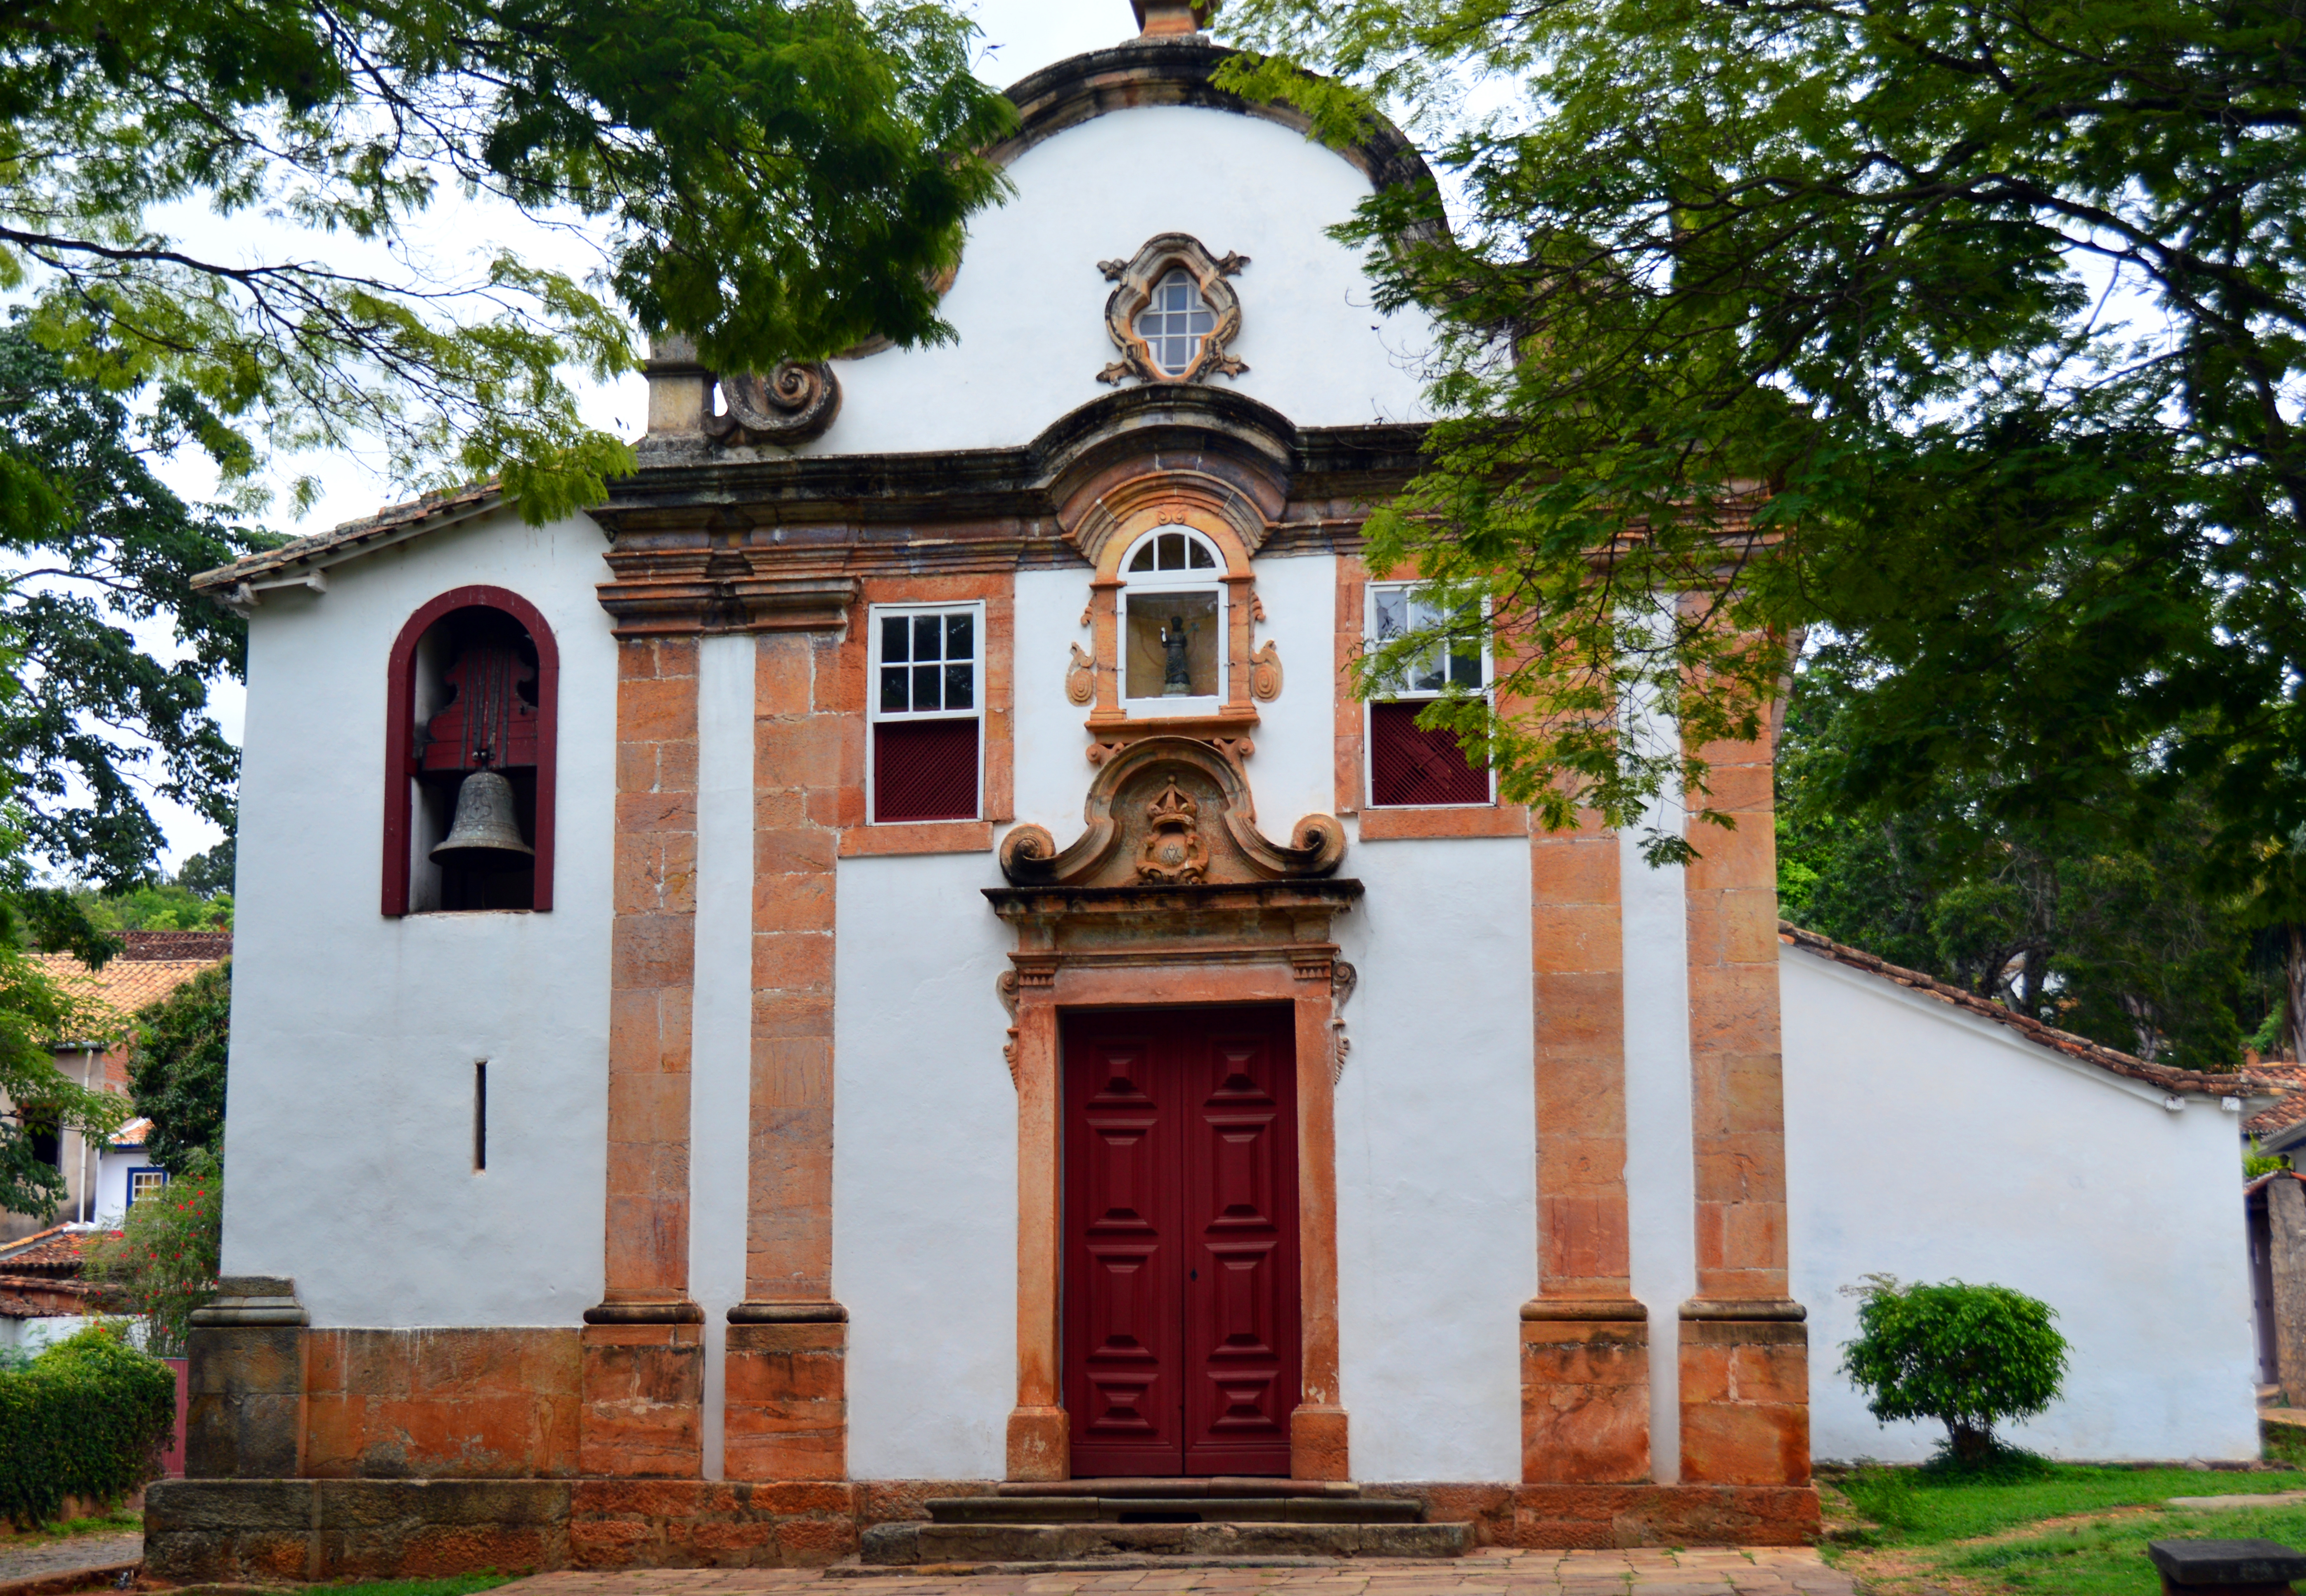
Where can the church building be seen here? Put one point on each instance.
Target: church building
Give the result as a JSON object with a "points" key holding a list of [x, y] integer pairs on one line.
{"points": [[880, 992]]}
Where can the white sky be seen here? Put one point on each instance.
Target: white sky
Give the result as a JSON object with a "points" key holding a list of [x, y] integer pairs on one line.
{"points": [[1018, 36]]}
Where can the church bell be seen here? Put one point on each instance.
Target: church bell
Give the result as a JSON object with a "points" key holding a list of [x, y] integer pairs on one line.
{"points": [[486, 835]]}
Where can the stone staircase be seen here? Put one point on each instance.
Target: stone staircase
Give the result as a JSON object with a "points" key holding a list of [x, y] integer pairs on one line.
{"points": [[1221, 1519]]}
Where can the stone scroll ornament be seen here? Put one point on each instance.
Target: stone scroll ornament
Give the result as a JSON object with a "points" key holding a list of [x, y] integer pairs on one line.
{"points": [[1170, 812], [791, 405], [1133, 281]]}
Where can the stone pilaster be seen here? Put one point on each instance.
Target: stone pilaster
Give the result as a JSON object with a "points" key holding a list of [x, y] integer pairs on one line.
{"points": [[1584, 1341], [1744, 1353], [245, 1413]]}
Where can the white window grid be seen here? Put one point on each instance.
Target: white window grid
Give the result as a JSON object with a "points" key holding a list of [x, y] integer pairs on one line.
{"points": [[145, 1182], [1393, 610], [1174, 321], [877, 650], [1182, 561]]}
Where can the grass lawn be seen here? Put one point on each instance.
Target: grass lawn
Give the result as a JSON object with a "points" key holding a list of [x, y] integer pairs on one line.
{"points": [[111, 1523], [462, 1584], [2070, 1531]]}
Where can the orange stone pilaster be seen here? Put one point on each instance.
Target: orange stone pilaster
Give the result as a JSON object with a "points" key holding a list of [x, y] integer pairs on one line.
{"points": [[641, 1360], [787, 1412], [1584, 1341], [1744, 1353]]}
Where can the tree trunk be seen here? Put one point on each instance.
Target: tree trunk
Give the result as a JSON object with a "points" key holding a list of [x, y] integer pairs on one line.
{"points": [[2286, 1212], [1973, 1443], [2294, 996]]}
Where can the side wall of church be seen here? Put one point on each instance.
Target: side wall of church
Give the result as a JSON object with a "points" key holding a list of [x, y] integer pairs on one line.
{"points": [[1932, 1145], [355, 1035]]}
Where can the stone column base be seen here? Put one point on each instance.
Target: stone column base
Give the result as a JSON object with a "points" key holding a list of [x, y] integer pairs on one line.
{"points": [[1745, 1394], [641, 1388], [1040, 1444], [1584, 1392], [245, 1385], [1317, 1448], [786, 1412]]}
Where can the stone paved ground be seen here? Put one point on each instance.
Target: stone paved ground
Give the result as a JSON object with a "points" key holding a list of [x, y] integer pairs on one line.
{"points": [[1763, 1571], [61, 1557]]}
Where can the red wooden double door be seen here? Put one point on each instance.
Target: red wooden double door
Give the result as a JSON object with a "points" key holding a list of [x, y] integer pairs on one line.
{"points": [[1181, 1292]]}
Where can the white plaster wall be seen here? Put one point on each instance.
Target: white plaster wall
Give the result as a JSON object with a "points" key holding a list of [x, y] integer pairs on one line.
{"points": [[1437, 1158], [721, 1058], [924, 1166], [348, 1137], [1661, 1168], [1930, 1144], [112, 1167], [1029, 304]]}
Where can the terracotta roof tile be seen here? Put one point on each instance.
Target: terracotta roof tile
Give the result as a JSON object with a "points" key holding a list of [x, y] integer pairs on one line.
{"points": [[388, 525], [56, 1250], [2200, 1083], [123, 985]]}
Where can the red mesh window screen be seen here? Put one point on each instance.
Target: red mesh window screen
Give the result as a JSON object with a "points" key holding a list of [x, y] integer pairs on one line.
{"points": [[1411, 766], [924, 770]]}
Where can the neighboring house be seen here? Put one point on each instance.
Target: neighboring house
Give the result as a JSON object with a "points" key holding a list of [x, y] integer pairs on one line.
{"points": [[100, 1180], [886, 962], [41, 1293]]}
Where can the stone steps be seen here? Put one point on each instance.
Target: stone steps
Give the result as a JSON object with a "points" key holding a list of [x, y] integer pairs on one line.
{"points": [[1168, 1509], [900, 1545]]}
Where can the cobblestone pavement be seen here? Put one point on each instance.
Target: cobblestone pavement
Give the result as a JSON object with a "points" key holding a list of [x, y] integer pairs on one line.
{"points": [[1763, 1571], [62, 1557]]}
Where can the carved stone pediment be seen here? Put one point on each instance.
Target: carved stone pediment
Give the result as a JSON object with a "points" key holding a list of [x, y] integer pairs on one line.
{"points": [[1170, 812]]}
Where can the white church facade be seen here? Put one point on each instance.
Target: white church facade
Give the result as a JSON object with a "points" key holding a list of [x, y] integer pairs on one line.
{"points": [[955, 998]]}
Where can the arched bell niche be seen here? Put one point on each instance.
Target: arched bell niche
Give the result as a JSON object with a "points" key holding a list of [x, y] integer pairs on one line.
{"points": [[472, 721]]}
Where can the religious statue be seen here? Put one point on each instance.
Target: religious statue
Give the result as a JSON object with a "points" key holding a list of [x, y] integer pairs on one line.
{"points": [[1177, 676]]}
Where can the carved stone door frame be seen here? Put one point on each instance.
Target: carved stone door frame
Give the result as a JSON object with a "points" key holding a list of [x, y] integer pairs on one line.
{"points": [[1108, 923]]}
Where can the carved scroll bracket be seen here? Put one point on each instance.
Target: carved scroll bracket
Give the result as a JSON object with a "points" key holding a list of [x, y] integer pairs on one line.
{"points": [[791, 405]]}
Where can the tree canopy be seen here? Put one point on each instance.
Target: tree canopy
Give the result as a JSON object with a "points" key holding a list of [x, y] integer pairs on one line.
{"points": [[176, 1074], [777, 178], [1969, 335]]}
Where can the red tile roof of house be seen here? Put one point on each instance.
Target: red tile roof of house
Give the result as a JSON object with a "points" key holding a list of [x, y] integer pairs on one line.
{"points": [[390, 525], [143, 973], [2200, 1083], [53, 1251]]}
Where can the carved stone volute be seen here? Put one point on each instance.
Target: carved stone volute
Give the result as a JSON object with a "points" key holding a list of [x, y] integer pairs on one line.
{"points": [[1171, 811]]}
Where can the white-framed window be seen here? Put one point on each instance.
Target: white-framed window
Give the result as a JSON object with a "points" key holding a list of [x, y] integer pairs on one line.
{"points": [[1172, 624], [1409, 767], [145, 1182], [927, 710], [1174, 321]]}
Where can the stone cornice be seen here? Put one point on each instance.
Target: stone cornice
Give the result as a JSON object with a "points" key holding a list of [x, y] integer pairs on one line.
{"points": [[671, 592]]}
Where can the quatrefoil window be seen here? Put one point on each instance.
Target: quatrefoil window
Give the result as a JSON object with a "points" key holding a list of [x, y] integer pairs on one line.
{"points": [[1174, 324], [1172, 313]]}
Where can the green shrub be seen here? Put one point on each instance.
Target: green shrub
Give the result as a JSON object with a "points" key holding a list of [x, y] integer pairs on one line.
{"points": [[1966, 1355], [88, 1418]]}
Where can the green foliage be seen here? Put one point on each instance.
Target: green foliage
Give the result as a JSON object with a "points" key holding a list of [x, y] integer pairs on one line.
{"points": [[1799, 309], [1966, 1355], [1928, 1508], [2098, 921], [164, 906], [161, 1264], [778, 178], [90, 718], [209, 874], [177, 1075], [87, 1419], [2257, 1162], [460, 1585]]}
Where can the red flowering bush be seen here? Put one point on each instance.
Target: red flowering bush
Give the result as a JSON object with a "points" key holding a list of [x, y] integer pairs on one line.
{"points": [[161, 1264]]}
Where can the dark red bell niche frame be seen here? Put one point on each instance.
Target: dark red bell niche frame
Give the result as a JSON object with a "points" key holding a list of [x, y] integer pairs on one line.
{"points": [[400, 717]]}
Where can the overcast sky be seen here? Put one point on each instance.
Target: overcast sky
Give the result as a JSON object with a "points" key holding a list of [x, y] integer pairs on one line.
{"points": [[1019, 35]]}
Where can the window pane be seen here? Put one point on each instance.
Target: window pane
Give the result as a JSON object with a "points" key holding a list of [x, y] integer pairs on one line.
{"points": [[893, 633], [1144, 559], [1174, 355], [1392, 613], [1425, 674], [893, 697], [1148, 324], [1200, 559], [1466, 665], [960, 687], [1173, 292], [1201, 321], [925, 686], [959, 637], [925, 636], [1173, 552]]}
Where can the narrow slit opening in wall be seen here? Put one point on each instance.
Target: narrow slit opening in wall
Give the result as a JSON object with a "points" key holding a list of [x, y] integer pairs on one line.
{"points": [[480, 1115]]}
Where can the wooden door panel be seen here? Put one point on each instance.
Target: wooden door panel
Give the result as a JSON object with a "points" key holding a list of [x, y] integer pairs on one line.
{"points": [[1181, 1321], [1240, 1193], [1125, 1346]]}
